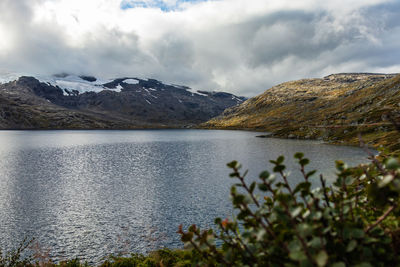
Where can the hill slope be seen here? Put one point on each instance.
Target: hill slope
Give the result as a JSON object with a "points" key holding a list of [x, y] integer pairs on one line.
{"points": [[83, 102], [334, 108]]}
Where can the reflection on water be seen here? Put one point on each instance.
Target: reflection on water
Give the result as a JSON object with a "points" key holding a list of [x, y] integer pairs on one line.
{"points": [[87, 194]]}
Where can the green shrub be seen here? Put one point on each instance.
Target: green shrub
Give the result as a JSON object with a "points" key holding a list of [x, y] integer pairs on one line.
{"points": [[355, 222], [162, 257]]}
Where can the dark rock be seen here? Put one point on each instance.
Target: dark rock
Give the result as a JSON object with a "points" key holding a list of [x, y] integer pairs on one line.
{"points": [[88, 78]]}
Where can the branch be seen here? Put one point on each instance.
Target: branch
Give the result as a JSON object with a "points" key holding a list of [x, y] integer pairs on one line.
{"points": [[380, 219]]}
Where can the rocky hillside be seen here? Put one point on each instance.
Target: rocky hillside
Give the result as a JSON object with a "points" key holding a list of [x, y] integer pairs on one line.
{"points": [[335, 108], [84, 102]]}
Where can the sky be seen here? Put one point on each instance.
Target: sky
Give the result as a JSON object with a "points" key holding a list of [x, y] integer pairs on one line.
{"points": [[238, 46]]}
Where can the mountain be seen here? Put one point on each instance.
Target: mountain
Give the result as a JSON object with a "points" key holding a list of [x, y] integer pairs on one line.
{"points": [[335, 108], [84, 102]]}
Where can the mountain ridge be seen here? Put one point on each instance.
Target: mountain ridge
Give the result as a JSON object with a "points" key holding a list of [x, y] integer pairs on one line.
{"points": [[85, 102]]}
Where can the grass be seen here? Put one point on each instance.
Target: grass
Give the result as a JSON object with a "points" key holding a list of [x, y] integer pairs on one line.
{"points": [[162, 257]]}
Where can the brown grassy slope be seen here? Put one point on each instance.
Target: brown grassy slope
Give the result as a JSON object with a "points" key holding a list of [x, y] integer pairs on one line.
{"points": [[334, 108]]}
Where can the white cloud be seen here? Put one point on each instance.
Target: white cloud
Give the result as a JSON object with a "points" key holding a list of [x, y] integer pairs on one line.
{"points": [[239, 46]]}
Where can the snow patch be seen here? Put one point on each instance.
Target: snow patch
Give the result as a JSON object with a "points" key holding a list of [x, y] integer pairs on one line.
{"points": [[81, 87], [237, 99], [131, 81], [72, 82], [148, 101], [118, 88], [201, 93], [190, 90]]}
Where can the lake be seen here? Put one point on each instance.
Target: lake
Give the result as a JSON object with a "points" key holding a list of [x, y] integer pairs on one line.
{"points": [[88, 194]]}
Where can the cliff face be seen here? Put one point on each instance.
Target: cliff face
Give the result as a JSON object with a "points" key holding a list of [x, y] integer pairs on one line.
{"points": [[70, 102], [334, 108]]}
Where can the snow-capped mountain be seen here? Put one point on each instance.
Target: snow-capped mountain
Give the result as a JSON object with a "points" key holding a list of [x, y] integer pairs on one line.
{"points": [[126, 102]]}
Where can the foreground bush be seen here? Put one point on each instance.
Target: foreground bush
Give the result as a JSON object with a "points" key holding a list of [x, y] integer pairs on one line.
{"points": [[355, 222]]}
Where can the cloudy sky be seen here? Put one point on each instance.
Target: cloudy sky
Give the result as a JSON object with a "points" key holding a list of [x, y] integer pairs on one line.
{"points": [[239, 46]]}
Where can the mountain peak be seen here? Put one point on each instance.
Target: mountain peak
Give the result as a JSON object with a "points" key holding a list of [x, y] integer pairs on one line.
{"points": [[126, 102]]}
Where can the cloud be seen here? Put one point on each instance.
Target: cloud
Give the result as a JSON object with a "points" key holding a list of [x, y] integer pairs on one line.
{"points": [[238, 46], [165, 5]]}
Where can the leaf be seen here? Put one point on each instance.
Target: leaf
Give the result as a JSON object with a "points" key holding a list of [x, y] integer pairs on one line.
{"points": [[316, 243], [358, 233], [298, 155], [351, 246], [232, 164], [252, 187], [338, 264], [306, 214], [340, 165], [234, 174], [280, 159], [349, 180], [238, 199], [279, 168], [271, 179], [311, 173], [297, 255], [294, 245], [225, 223], [187, 237], [346, 233], [322, 258], [303, 187], [317, 215], [296, 212], [304, 162], [346, 209], [263, 187], [264, 175], [363, 264], [304, 229], [386, 180], [261, 234], [392, 164]]}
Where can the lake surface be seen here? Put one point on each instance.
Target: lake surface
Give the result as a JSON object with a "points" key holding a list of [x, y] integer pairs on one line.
{"points": [[87, 194]]}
